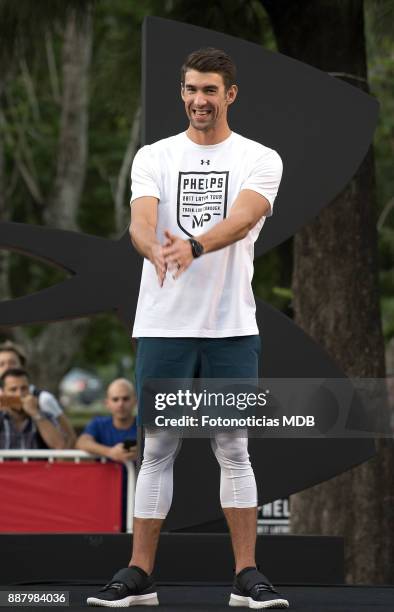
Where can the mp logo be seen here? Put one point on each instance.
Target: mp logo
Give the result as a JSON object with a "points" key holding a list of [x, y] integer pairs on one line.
{"points": [[201, 201]]}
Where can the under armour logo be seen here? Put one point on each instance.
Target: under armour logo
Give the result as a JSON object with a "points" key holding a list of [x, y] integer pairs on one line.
{"points": [[205, 162]]}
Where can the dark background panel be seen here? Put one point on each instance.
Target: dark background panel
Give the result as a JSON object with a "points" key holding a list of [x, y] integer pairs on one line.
{"points": [[321, 126]]}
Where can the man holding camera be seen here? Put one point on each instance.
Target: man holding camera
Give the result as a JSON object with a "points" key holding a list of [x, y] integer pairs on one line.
{"points": [[13, 356], [22, 423]]}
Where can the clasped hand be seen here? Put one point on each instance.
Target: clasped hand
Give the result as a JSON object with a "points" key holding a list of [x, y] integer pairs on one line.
{"points": [[175, 255]]}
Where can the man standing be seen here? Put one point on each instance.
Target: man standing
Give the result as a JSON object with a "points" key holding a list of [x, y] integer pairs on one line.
{"points": [[199, 201], [22, 423]]}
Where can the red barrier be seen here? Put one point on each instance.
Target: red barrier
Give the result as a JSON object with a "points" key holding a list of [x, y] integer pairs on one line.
{"points": [[42, 497]]}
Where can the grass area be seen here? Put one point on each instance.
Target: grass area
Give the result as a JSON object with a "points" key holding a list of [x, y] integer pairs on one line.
{"points": [[80, 414]]}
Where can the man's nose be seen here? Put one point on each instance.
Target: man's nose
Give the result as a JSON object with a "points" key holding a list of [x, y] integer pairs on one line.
{"points": [[199, 99]]}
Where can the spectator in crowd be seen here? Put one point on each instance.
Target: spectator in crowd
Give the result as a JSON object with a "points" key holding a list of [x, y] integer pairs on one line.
{"points": [[114, 437], [109, 436], [22, 423], [13, 356]]}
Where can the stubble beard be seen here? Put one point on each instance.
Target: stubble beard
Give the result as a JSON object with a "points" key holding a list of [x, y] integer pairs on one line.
{"points": [[203, 127]]}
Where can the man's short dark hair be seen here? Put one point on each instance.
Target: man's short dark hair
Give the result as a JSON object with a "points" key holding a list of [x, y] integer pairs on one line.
{"points": [[15, 372], [210, 59]]}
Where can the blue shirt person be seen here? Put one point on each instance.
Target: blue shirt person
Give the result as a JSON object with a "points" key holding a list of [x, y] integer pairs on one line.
{"points": [[103, 430], [105, 436]]}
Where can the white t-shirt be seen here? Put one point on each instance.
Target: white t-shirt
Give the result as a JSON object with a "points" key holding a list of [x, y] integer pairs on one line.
{"points": [[47, 402], [196, 185]]}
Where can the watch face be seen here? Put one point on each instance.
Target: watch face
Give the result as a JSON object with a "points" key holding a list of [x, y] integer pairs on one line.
{"points": [[197, 248]]}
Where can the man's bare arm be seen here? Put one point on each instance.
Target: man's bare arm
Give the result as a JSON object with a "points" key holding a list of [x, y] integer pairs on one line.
{"points": [[51, 436], [143, 224], [68, 431], [143, 233], [87, 443], [47, 430], [246, 211]]}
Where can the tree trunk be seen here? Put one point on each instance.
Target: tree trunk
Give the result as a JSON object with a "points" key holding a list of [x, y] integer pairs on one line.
{"points": [[73, 139], [50, 353], [122, 213], [4, 256], [4, 203], [339, 304]]}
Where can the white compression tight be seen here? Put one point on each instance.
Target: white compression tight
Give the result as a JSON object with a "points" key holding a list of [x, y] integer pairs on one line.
{"points": [[155, 481]]}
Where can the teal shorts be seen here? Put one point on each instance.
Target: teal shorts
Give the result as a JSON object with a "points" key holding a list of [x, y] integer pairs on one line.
{"points": [[235, 357]]}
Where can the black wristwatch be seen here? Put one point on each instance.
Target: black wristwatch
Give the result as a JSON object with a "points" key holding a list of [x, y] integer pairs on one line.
{"points": [[197, 248]]}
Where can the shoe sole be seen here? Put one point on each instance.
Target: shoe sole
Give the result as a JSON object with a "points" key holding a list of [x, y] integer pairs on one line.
{"points": [[248, 602], [132, 600]]}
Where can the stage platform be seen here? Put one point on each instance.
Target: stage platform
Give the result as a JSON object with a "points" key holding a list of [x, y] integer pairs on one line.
{"points": [[199, 598], [182, 558], [193, 570]]}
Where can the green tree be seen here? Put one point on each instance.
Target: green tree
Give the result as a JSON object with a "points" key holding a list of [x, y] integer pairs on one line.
{"points": [[69, 135], [339, 306]]}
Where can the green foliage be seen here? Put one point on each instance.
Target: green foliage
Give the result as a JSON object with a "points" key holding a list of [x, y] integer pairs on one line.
{"points": [[242, 18], [31, 110], [32, 274], [380, 47], [272, 277], [23, 23], [388, 317], [380, 51], [386, 277], [115, 95], [107, 343]]}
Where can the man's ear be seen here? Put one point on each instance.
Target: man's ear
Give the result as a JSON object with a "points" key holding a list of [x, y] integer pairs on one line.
{"points": [[183, 91], [231, 94]]}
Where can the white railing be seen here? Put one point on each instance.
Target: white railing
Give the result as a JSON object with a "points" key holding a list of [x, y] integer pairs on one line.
{"points": [[77, 455]]}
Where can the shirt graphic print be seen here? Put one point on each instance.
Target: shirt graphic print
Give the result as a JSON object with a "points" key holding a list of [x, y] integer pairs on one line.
{"points": [[202, 200]]}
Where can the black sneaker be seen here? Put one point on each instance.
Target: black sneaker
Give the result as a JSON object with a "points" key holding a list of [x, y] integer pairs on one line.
{"points": [[252, 589], [130, 586]]}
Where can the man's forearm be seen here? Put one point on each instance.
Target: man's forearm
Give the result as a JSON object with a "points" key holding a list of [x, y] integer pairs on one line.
{"points": [[143, 237], [93, 447], [226, 232], [51, 436]]}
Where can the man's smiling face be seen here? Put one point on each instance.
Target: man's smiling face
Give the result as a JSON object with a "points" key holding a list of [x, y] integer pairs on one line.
{"points": [[206, 99]]}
